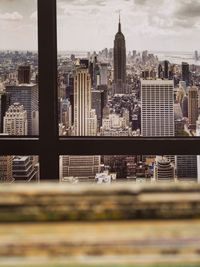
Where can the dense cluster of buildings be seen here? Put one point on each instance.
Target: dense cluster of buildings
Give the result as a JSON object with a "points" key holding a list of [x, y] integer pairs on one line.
{"points": [[109, 93], [19, 113]]}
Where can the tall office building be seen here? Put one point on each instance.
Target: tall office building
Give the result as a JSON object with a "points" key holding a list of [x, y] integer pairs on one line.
{"points": [[82, 101], [134, 52], [97, 104], [91, 72], [6, 169], [70, 94], [180, 95], [103, 73], [93, 126], [185, 73], [84, 116], [4, 105], [119, 62], [196, 56], [192, 106], [65, 112], [26, 95], [198, 156], [160, 71], [15, 120], [164, 170], [99, 101], [24, 74], [144, 56], [96, 72], [157, 108], [83, 167], [186, 167], [185, 106], [166, 69]]}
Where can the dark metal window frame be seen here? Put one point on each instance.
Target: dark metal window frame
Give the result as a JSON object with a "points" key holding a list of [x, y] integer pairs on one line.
{"points": [[48, 146]]}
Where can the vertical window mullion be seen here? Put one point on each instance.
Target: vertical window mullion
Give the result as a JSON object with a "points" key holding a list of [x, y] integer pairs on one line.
{"points": [[48, 104]]}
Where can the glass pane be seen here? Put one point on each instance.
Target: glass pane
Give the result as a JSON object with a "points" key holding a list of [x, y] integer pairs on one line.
{"points": [[19, 169], [118, 77], [18, 68], [129, 168]]}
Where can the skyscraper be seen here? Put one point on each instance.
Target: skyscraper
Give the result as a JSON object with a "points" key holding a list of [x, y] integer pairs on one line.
{"points": [[160, 70], [65, 112], [24, 74], [186, 167], [6, 169], [103, 73], [70, 94], [184, 105], [96, 71], [134, 53], [157, 108], [198, 156], [97, 105], [26, 95], [119, 62], [196, 56], [185, 72], [15, 120], [82, 103], [4, 104], [99, 100], [166, 69], [192, 106]]}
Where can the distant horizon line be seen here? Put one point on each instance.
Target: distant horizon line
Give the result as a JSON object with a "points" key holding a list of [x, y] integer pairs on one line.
{"points": [[92, 51]]}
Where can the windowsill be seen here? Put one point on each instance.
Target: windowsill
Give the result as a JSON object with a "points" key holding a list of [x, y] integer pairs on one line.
{"points": [[121, 224]]}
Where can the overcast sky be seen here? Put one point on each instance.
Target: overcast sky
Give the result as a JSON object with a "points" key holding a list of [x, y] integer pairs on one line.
{"points": [[91, 24]]}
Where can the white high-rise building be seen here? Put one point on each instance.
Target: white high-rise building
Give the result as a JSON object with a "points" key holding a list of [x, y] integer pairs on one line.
{"points": [[84, 116], [157, 108], [82, 101], [15, 120]]}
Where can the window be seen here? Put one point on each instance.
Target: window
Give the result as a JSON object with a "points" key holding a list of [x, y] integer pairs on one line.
{"points": [[18, 68], [48, 146]]}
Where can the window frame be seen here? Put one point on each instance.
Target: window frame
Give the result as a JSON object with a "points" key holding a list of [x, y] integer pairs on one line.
{"points": [[48, 145]]}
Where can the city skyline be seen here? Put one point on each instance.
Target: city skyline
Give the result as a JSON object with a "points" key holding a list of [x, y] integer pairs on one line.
{"points": [[152, 25]]}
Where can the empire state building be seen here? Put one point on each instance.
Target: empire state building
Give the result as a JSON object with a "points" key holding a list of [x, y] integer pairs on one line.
{"points": [[119, 62]]}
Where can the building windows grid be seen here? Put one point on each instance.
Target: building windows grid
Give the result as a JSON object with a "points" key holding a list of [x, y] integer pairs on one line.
{"points": [[48, 146]]}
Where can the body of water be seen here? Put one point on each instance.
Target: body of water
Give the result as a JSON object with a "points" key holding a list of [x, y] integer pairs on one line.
{"points": [[175, 57]]}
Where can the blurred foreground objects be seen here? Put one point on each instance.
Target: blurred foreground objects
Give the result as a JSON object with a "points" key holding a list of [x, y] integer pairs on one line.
{"points": [[100, 225]]}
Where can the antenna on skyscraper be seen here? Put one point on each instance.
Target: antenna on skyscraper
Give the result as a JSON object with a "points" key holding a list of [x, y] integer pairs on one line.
{"points": [[119, 28]]}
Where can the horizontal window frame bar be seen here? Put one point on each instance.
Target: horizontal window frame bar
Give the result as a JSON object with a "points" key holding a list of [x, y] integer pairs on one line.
{"points": [[19, 146], [129, 146], [101, 146]]}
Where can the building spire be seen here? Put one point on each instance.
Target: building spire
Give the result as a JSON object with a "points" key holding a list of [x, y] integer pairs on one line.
{"points": [[119, 28]]}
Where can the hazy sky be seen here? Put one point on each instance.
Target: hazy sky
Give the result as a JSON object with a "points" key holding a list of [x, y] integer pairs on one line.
{"points": [[92, 24]]}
